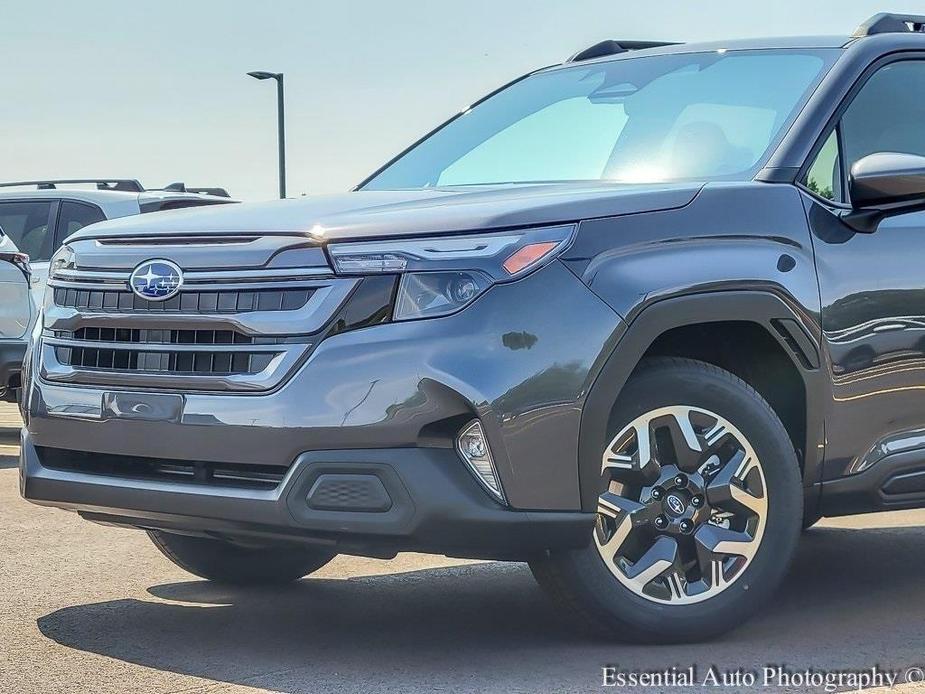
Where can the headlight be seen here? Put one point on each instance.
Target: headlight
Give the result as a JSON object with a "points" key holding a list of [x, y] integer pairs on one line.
{"points": [[62, 260], [441, 275]]}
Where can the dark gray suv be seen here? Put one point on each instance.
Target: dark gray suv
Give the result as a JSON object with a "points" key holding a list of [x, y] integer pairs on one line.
{"points": [[634, 319]]}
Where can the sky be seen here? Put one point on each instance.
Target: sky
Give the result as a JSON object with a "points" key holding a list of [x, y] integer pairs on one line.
{"points": [[158, 90]]}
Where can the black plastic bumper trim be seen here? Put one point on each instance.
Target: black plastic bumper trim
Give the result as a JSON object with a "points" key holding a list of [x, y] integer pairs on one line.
{"points": [[893, 483], [436, 507]]}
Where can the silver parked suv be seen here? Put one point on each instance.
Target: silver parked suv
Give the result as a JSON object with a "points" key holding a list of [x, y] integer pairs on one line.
{"points": [[36, 217]]}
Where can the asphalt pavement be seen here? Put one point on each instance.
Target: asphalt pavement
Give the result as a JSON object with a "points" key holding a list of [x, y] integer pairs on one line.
{"points": [[87, 608]]}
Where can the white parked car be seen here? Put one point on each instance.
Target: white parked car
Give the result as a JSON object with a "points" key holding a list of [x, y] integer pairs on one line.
{"points": [[16, 311], [36, 217]]}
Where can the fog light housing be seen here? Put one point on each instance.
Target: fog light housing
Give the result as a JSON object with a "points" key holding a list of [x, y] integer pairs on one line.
{"points": [[472, 446]]}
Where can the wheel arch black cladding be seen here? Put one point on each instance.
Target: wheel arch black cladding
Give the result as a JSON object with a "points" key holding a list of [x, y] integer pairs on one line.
{"points": [[759, 308]]}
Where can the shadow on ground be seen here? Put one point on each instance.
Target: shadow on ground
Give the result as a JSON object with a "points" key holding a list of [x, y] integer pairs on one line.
{"points": [[852, 600], [9, 448]]}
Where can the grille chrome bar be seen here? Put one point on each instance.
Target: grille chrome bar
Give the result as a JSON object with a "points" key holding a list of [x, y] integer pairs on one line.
{"points": [[324, 301], [67, 277], [55, 369], [166, 337], [229, 301], [265, 252], [198, 362], [159, 347]]}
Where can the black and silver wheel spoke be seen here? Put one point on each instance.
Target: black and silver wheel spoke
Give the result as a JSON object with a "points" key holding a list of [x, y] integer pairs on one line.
{"points": [[631, 458], [621, 513], [660, 559], [727, 490], [716, 543], [683, 507], [687, 447]]}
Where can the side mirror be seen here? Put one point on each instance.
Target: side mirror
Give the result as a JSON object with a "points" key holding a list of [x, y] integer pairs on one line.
{"points": [[884, 184]]}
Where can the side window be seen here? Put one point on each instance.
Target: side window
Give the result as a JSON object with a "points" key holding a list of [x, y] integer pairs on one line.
{"points": [[824, 176], [888, 114], [74, 216], [26, 223]]}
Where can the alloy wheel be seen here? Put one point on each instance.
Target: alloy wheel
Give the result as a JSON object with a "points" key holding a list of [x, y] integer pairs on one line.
{"points": [[683, 507]]}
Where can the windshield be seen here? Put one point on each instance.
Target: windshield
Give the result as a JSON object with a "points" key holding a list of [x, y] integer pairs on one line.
{"points": [[700, 116]]}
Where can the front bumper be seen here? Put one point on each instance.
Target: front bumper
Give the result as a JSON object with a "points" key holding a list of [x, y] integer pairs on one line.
{"points": [[520, 359], [427, 502]]}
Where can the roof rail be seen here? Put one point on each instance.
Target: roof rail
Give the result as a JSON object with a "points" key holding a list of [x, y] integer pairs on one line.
{"points": [[128, 185], [217, 192], [180, 187], [887, 23], [125, 184], [611, 47]]}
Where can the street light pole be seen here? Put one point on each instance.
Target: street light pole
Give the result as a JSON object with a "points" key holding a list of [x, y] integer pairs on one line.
{"points": [[281, 123], [281, 131]]}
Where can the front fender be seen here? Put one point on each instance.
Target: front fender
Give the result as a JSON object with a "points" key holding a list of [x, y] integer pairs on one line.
{"points": [[731, 237]]}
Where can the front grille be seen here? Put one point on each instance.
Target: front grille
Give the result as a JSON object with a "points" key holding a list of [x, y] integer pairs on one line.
{"points": [[244, 319], [166, 337], [165, 470], [195, 363], [201, 302]]}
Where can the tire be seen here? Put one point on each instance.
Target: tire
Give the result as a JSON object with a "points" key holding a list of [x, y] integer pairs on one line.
{"points": [[693, 599], [225, 562]]}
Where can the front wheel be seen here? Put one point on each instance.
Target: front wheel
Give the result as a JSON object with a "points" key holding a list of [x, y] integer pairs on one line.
{"points": [[699, 511], [226, 562]]}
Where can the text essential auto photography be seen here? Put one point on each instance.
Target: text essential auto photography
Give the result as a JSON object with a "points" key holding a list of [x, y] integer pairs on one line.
{"points": [[486, 347], [781, 677]]}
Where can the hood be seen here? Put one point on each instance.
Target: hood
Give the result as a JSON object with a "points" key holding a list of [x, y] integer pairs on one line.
{"points": [[6, 244], [380, 214]]}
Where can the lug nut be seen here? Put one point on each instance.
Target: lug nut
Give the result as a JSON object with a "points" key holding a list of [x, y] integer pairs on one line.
{"points": [[661, 522], [680, 480], [697, 501], [657, 493], [686, 526]]}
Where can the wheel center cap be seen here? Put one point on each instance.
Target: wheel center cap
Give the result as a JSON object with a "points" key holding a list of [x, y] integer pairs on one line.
{"points": [[675, 505]]}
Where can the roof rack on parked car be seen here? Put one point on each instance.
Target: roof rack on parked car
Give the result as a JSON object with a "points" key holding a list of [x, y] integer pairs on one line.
{"points": [[129, 185], [180, 187], [125, 184], [611, 47], [888, 23]]}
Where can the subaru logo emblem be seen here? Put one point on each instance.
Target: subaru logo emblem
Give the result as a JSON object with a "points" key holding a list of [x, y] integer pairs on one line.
{"points": [[675, 505], [156, 280]]}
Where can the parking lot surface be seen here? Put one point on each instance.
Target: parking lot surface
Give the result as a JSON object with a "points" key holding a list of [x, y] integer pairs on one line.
{"points": [[86, 608]]}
